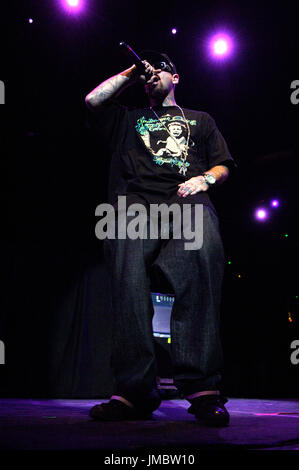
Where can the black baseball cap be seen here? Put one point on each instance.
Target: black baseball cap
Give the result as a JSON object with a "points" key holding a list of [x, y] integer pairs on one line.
{"points": [[159, 60]]}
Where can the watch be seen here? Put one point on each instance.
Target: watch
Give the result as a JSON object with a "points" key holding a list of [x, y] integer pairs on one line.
{"points": [[209, 178]]}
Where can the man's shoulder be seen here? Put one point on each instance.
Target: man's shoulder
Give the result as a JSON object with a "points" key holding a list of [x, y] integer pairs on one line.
{"points": [[204, 115]]}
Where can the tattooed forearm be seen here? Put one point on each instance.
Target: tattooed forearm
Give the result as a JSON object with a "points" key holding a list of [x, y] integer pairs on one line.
{"points": [[110, 88], [105, 90]]}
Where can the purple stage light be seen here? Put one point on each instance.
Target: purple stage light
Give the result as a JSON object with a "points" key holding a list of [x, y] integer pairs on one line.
{"points": [[174, 30], [221, 45], [261, 214], [73, 3], [30, 20], [274, 203], [72, 6]]}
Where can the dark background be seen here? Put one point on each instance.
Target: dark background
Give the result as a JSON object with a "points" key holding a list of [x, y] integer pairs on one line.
{"points": [[54, 302]]}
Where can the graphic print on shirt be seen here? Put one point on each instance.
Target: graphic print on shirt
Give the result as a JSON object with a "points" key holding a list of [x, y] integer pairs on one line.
{"points": [[166, 147]]}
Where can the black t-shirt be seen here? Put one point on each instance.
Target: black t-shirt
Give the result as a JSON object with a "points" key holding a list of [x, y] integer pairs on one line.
{"points": [[146, 163]]}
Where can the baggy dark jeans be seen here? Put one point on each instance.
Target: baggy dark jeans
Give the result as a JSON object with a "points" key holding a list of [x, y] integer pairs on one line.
{"points": [[196, 278]]}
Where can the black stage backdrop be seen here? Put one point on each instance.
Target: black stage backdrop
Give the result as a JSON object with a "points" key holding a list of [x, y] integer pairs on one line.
{"points": [[54, 319]]}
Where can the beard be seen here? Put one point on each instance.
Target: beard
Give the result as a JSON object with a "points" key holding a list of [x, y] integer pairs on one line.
{"points": [[157, 91]]}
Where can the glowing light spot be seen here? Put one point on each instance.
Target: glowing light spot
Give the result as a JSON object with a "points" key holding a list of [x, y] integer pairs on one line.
{"points": [[221, 46], [261, 214], [72, 6], [274, 203]]}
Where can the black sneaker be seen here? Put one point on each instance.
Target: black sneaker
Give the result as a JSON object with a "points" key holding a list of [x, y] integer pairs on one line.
{"points": [[115, 410], [210, 410]]}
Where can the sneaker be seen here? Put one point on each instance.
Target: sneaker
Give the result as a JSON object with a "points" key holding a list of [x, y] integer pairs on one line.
{"points": [[115, 410], [210, 410]]}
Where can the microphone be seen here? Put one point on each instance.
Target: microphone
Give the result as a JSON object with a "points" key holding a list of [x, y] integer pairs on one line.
{"points": [[136, 59]]}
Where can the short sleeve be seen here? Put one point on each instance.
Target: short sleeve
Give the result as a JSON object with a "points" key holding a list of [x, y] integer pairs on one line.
{"points": [[216, 147], [109, 122]]}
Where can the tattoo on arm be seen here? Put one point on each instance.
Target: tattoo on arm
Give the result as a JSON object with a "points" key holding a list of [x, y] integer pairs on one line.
{"points": [[109, 88]]}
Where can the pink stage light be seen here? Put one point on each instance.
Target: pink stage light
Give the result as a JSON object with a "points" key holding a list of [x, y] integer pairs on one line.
{"points": [[174, 30], [72, 6], [261, 214], [274, 203], [221, 46], [73, 3]]}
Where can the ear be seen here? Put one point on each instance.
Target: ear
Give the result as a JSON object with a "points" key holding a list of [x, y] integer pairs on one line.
{"points": [[175, 79]]}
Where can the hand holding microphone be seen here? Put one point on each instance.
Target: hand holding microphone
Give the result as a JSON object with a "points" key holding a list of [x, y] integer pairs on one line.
{"points": [[145, 71], [149, 73]]}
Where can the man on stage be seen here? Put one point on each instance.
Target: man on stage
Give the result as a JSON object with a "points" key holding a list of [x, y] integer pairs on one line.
{"points": [[172, 155]]}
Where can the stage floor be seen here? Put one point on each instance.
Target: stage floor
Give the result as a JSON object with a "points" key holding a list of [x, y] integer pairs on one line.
{"points": [[256, 424]]}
